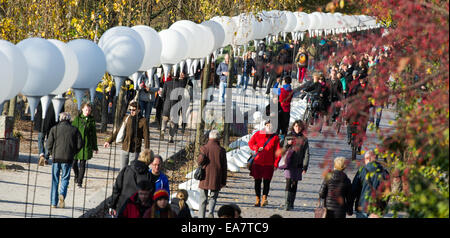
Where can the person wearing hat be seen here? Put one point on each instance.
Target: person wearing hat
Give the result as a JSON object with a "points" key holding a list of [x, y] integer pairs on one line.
{"points": [[160, 207], [266, 143]]}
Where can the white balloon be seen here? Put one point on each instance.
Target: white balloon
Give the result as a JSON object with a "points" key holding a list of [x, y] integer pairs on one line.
{"points": [[265, 25], [218, 31], [189, 35], [319, 21], [123, 55], [229, 27], [244, 30], [174, 46], [152, 44], [280, 21], [6, 80], [349, 22], [198, 37], [208, 41], [267, 16], [71, 64], [120, 31], [20, 69], [291, 22], [303, 21], [46, 66], [183, 23], [258, 30], [91, 63]]}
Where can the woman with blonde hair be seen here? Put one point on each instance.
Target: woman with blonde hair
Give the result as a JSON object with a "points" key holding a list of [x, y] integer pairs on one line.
{"points": [[128, 178], [336, 190], [179, 205]]}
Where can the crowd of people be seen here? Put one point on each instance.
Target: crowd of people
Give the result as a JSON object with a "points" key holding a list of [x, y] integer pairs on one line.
{"points": [[142, 189]]}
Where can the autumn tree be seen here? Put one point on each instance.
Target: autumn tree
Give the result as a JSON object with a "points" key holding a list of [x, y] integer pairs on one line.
{"points": [[415, 79]]}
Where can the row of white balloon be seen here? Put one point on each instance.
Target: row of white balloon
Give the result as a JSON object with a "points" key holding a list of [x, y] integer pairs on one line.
{"points": [[41, 69]]}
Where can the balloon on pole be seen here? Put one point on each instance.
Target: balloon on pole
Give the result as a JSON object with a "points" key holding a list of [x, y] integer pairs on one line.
{"points": [[42, 79]]}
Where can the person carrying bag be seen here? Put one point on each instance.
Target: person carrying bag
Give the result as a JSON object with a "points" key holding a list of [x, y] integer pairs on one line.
{"points": [[267, 144]]}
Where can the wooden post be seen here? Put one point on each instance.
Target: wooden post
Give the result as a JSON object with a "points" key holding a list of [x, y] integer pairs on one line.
{"points": [[229, 94], [12, 107], [117, 117], [200, 123], [104, 110]]}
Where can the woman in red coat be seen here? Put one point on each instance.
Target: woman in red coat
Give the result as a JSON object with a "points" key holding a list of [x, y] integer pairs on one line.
{"points": [[264, 163]]}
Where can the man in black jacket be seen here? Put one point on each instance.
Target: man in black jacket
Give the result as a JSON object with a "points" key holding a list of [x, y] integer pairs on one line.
{"points": [[64, 141], [336, 93], [127, 181], [260, 66], [175, 86], [43, 127]]}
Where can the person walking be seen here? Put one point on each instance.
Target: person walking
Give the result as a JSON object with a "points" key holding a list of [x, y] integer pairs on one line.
{"points": [[302, 63], [169, 88], [43, 127], [128, 179], [312, 56], [285, 97], [369, 187], [213, 159], [275, 69], [248, 66], [222, 72], [64, 141], [298, 164], [148, 86], [138, 203], [260, 69], [266, 143], [358, 112], [85, 123], [136, 129], [336, 190], [336, 94]]}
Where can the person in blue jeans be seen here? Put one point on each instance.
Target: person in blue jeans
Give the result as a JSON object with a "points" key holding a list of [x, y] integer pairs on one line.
{"points": [[43, 127], [249, 65], [64, 141], [222, 71]]}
